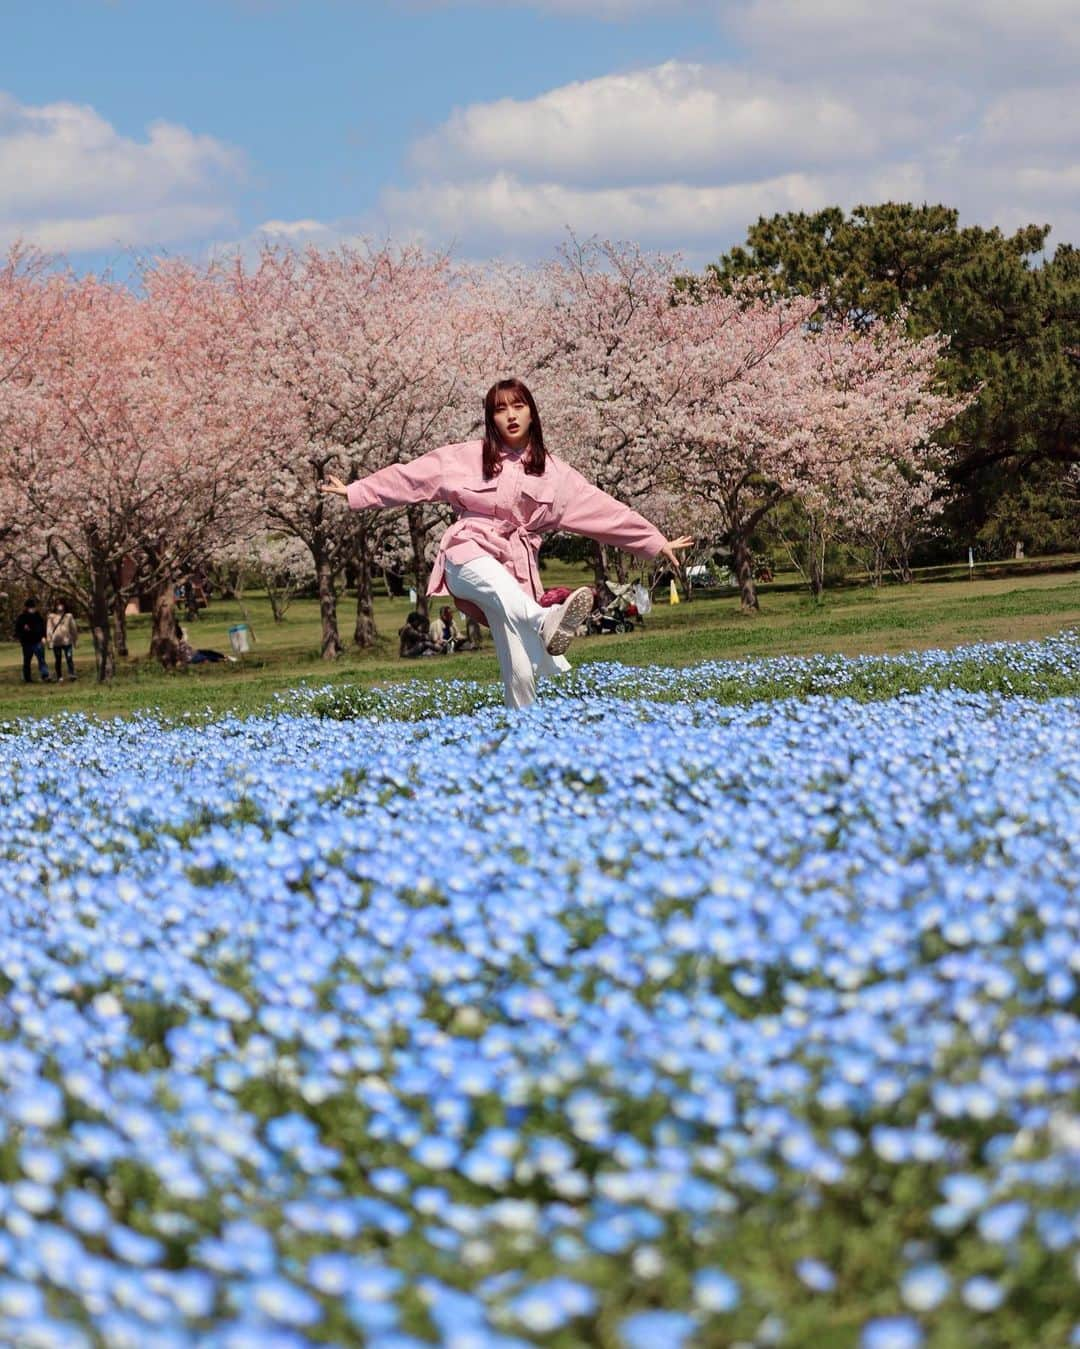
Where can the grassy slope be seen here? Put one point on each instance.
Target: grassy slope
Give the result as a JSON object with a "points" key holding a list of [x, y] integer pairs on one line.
{"points": [[852, 621]]}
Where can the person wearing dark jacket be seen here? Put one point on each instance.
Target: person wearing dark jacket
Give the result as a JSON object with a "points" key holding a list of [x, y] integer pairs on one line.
{"points": [[415, 638], [30, 633]]}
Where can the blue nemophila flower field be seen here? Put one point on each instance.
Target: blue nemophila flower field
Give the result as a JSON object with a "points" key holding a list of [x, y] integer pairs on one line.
{"points": [[618, 1022], [1048, 668]]}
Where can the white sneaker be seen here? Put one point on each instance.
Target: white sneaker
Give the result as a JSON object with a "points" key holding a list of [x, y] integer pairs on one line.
{"points": [[561, 626]]}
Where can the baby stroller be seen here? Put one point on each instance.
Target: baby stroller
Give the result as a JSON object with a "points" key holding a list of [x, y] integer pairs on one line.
{"points": [[622, 613]]}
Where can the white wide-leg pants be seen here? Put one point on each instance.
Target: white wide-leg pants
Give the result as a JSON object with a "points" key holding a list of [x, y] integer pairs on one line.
{"points": [[516, 622]]}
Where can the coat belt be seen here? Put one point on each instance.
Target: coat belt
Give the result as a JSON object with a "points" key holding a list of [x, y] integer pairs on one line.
{"points": [[523, 543], [526, 544]]}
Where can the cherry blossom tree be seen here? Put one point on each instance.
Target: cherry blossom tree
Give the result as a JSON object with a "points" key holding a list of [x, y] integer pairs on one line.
{"points": [[209, 420], [785, 409], [30, 305], [68, 460], [602, 343], [897, 506], [130, 444], [278, 563], [875, 472], [357, 349], [655, 386]]}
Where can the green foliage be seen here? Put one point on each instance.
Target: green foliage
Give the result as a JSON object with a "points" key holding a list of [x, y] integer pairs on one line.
{"points": [[1040, 508], [785, 539]]}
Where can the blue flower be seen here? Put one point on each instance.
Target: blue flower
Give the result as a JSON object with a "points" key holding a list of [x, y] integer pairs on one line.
{"points": [[715, 1291], [656, 1330], [891, 1332], [282, 1301], [1003, 1223], [807, 941], [923, 1287], [982, 1294], [815, 1275]]}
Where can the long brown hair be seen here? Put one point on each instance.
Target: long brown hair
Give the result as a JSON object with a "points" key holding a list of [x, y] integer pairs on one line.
{"points": [[536, 459]]}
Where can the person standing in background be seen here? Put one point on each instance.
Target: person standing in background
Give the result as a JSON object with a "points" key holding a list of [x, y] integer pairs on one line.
{"points": [[61, 633], [30, 634]]}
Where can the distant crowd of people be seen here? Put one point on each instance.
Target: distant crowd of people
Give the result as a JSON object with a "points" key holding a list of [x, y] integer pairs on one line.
{"points": [[420, 637], [56, 632]]}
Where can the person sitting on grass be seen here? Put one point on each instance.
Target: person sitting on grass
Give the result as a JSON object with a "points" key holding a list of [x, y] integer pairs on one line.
{"points": [[446, 634], [193, 655], [414, 638], [474, 634]]}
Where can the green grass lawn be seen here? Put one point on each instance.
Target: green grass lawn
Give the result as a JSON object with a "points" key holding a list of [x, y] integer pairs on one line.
{"points": [[851, 621]]}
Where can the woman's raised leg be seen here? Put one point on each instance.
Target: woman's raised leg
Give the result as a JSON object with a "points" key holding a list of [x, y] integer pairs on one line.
{"points": [[516, 622]]}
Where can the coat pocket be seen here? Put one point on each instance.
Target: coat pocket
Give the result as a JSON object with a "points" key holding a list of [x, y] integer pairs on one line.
{"points": [[478, 497], [537, 499]]}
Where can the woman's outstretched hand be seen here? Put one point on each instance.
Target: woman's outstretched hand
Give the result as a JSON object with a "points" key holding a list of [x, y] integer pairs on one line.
{"points": [[669, 549], [333, 487]]}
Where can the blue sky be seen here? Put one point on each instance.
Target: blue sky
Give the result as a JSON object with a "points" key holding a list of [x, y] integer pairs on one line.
{"points": [[147, 125]]}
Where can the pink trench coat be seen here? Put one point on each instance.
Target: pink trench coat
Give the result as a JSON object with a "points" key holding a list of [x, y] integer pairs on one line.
{"points": [[506, 516]]}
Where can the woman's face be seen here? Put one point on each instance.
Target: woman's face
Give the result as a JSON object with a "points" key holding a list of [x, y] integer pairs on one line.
{"points": [[512, 419]]}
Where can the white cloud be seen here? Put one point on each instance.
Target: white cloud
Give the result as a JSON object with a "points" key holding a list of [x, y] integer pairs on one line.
{"points": [[505, 213], [985, 43], [70, 181], [293, 231], [997, 35], [297, 234], [687, 121], [973, 103], [1041, 123]]}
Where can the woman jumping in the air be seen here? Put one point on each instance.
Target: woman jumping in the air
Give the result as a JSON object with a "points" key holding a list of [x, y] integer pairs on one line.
{"points": [[507, 491]]}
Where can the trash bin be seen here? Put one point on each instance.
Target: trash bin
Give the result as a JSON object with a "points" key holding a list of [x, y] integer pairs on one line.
{"points": [[239, 638]]}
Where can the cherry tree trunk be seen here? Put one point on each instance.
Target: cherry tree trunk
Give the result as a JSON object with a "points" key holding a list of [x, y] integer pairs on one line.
{"points": [[120, 625], [101, 624], [163, 643], [330, 647], [907, 576], [620, 566], [277, 600], [816, 562], [742, 563], [600, 564], [365, 633], [420, 568]]}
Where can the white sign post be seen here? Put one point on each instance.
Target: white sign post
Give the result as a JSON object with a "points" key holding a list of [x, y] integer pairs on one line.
{"points": [[238, 638]]}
